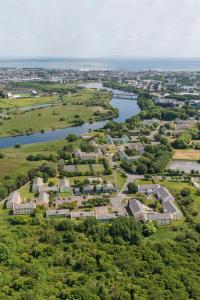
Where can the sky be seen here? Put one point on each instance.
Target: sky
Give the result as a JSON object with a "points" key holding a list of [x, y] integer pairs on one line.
{"points": [[100, 28]]}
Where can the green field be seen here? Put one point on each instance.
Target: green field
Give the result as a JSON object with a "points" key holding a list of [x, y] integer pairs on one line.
{"points": [[98, 168], [83, 168], [63, 113]]}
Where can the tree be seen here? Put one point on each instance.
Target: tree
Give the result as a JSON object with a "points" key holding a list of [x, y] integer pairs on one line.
{"points": [[185, 192], [132, 188], [141, 169], [72, 137]]}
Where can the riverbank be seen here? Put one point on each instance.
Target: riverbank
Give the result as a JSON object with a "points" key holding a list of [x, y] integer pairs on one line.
{"points": [[84, 105], [31, 115]]}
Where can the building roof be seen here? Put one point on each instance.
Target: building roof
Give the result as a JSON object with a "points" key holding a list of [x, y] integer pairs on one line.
{"points": [[164, 193], [158, 216], [88, 187], [64, 182], [58, 212], [148, 186], [170, 207], [14, 197], [28, 205], [44, 197], [135, 206], [82, 214], [105, 217], [38, 181]]}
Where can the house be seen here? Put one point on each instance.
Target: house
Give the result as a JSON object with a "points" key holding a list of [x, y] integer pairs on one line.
{"points": [[77, 191], [88, 189], [148, 188], [167, 102], [106, 217], [123, 156], [109, 139], [98, 188], [164, 195], [64, 185], [150, 122], [43, 199], [137, 209], [58, 213], [134, 132], [122, 140], [38, 185], [170, 207], [108, 188], [82, 214], [88, 156], [26, 208], [160, 218], [13, 198], [137, 146]]}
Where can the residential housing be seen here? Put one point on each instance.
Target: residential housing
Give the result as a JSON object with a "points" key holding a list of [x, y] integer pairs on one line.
{"points": [[38, 185], [170, 207], [26, 208], [148, 188], [64, 185], [88, 156], [13, 198], [43, 199], [164, 195]]}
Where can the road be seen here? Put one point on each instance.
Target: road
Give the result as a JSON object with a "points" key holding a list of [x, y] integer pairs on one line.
{"points": [[117, 201]]}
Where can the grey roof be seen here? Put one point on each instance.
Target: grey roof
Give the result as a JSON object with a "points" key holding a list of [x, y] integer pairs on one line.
{"points": [[24, 205], [170, 207], [57, 212], [105, 217], [88, 187], [164, 193], [64, 182], [148, 186], [38, 181], [14, 197], [135, 206], [158, 216], [44, 197]]}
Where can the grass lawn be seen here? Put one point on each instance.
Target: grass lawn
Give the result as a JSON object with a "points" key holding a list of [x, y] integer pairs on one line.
{"points": [[22, 102], [83, 168], [26, 193], [44, 119], [164, 233], [188, 154], [98, 168]]}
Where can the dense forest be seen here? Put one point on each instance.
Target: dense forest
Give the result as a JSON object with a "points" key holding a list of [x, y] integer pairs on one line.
{"points": [[115, 260]]}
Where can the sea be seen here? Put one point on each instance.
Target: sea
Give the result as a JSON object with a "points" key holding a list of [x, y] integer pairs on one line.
{"points": [[123, 64]]}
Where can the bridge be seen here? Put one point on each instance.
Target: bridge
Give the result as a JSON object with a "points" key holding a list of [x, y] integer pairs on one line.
{"points": [[124, 96]]}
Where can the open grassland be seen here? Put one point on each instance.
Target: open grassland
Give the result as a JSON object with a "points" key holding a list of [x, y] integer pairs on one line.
{"points": [[62, 113], [83, 96], [188, 154], [23, 102], [45, 119]]}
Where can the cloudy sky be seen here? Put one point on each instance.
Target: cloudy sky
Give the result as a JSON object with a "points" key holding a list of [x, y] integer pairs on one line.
{"points": [[100, 28]]}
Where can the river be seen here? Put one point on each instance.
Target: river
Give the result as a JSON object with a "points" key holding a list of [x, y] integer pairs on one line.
{"points": [[126, 107]]}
